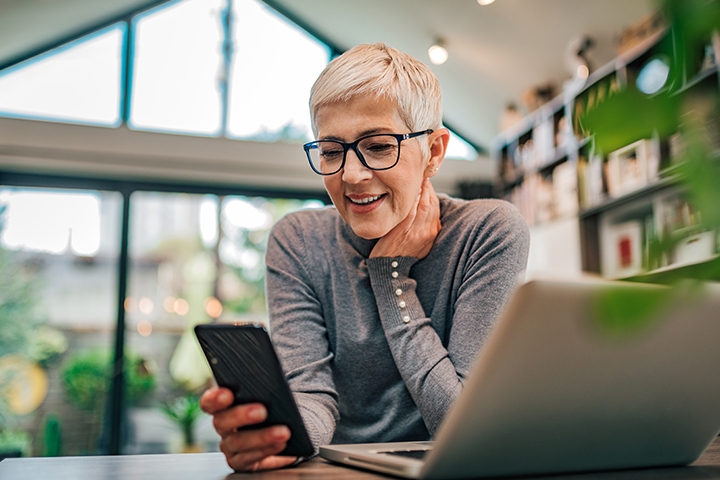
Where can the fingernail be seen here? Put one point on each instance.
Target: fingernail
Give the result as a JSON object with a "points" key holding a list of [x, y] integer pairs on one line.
{"points": [[280, 432], [257, 414], [225, 397]]}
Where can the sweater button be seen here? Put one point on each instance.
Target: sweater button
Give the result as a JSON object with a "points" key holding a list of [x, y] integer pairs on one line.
{"points": [[394, 274], [394, 264], [402, 304], [406, 319], [398, 292]]}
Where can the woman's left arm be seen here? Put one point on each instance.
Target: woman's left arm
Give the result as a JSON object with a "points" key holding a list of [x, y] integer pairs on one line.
{"points": [[433, 373]]}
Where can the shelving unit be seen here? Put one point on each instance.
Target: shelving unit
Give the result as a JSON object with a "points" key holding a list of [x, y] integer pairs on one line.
{"points": [[620, 185]]}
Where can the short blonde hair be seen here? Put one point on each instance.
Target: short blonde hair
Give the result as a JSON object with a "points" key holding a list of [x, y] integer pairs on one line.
{"points": [[382, 71]]}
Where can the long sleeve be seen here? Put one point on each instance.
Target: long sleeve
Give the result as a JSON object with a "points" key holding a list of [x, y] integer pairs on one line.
{"points": [[299, 333], [490, 259]]}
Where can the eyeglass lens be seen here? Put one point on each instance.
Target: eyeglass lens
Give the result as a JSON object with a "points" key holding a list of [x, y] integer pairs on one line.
{"points": [[379, 152]]}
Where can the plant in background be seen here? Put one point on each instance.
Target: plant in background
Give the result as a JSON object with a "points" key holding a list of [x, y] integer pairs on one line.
{"points": [[19, 319], [86, 378], [53, 440], [47, 345], [630, 114], [87, 374], [15, 441], [184, 411]]}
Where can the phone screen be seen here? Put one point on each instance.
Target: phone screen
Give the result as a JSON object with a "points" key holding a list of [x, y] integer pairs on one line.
{"points": [[242, 359]]}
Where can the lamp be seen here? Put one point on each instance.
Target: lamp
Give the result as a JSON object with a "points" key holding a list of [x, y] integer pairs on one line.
{"points": [[485, 2], [437, 53]]}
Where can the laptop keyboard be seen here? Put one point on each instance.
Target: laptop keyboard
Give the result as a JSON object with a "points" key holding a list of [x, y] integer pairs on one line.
{"points": [[419, 454]]}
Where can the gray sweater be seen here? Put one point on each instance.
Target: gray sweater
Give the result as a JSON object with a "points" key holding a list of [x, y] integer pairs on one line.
{"points": [[378, 349]]}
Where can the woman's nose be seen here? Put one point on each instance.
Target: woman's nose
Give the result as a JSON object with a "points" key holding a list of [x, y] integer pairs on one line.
{"points": [[354, 171]]}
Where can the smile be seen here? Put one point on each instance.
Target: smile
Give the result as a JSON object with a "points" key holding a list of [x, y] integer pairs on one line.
{"points": [[366, 200]]}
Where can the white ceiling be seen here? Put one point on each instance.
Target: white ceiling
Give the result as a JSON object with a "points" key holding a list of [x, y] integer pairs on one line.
{"points": [[496, 52]]}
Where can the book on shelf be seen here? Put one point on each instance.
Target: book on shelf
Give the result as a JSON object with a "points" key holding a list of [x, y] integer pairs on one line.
{"points": [[590, 180], [565, 190]]}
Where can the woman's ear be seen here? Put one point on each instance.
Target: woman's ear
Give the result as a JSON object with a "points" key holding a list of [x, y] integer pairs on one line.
{"points": [[438, 142]]}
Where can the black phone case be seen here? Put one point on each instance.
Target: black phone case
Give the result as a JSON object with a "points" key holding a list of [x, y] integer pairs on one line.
{"points": [[242, 359]]}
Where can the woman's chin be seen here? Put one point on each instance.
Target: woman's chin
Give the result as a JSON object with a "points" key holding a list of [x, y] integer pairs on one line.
{"points": [[369, 232]]}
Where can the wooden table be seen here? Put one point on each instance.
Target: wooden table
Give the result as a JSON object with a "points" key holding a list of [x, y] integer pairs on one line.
{"points": [[212, 466]]}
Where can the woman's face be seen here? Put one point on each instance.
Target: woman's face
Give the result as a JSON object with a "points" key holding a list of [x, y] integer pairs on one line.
{"points": [[371, 202]]}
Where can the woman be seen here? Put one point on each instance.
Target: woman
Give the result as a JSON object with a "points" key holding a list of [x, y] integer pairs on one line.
{"points": [[379, 305]]}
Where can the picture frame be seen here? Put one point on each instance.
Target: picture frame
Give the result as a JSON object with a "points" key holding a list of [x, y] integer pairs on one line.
{"points": [[623, 253], [627, 168]]}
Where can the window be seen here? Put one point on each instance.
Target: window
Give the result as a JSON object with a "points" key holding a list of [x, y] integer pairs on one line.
{"points": [[194, 258], [459, 149], [58, 277], [274, 67], [177, 66], [78, 82]]}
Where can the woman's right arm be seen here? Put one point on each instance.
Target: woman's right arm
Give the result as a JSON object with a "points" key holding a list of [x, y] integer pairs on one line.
{"points": [[297, 324], [300, 338]]}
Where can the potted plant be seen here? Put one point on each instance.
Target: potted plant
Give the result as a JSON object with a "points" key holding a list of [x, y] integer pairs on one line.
{"points": [[184, 411]]}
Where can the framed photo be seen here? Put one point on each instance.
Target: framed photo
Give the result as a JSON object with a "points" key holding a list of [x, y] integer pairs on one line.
{"points": [[628, 168], [622, 254]]}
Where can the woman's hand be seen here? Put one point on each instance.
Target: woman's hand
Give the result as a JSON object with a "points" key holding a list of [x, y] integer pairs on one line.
{"points": [[415, 235], [246, 450]]}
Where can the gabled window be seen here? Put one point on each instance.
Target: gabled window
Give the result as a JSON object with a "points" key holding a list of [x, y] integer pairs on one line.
{"points": [[274, 66], [177, 65], [77, 83]]}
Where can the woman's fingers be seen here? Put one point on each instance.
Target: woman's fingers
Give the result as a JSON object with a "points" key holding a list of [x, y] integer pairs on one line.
{"points": [[230, 420], [415, 235], [252, 449], [245, 450], [215, 400]]}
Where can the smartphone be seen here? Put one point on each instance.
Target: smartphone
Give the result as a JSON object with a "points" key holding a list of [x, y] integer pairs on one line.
{"points": [[243, 360]]}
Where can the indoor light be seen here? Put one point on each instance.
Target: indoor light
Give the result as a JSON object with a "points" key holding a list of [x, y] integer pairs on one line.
{"points": [[582, 71], [485, 2], [438, 54]]}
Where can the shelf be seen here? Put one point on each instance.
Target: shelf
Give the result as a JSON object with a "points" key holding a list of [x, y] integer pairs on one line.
{"points": [[704, 270], [697, 79], [639, 193], [535, 187], [559, 157]]}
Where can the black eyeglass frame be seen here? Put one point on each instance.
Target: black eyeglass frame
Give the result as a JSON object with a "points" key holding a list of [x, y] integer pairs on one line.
{"points": [[354, 146]]}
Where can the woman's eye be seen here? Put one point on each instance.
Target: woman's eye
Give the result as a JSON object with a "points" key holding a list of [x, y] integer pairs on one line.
{"points": [[331, 154], [380, 147]]}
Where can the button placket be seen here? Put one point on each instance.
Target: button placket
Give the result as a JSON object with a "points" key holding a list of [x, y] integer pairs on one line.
{"points": [[398, 292]]}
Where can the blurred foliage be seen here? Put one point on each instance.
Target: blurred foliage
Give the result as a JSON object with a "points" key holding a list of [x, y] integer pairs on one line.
{"points": [[617, 114], [184, 411], [18, 306], [15, 441], [621, 312], [52, 446], [19, 323], [289, 133], [87, 375]]}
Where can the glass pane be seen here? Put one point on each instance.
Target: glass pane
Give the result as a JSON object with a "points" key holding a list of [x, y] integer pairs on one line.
{"points": [[58, 307], [178, 60], [274, 66], [194, 259], [459, 149], [78, 82]]}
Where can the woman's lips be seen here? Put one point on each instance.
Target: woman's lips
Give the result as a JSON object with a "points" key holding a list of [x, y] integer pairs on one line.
{"points": [[364, 203]]}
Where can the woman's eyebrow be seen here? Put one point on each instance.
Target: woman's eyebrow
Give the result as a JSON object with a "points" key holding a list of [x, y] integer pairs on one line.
{"points": [[364, 133]]}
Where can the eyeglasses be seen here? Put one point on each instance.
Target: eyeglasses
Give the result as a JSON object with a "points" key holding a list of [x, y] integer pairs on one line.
{"points": [[380, 151]]}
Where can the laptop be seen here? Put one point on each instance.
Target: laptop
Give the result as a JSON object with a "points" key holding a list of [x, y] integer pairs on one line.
{"points": [[576, 376]]}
